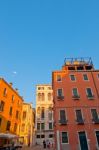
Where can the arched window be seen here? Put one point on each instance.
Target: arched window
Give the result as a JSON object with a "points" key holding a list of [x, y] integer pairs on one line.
{"points": [[42, 113], [5, 92], [43, 97], [50, 113], [39, 96], [49, 96], [38, 112]]}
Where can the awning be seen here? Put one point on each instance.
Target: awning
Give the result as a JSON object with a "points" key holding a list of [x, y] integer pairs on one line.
{"points": [[8, 135]]}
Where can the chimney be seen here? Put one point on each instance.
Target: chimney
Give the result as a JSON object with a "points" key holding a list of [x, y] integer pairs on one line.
{"points": [[16, 89], [10, 83]]}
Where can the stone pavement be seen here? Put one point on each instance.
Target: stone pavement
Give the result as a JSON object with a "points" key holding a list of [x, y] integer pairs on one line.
{"points": [[38, 147]]}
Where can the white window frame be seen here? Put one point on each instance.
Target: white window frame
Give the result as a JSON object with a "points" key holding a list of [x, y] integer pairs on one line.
{"points": [[77, 91], [74, 77], [96, 138], [52, 125], [57, 78], [65, 113], [67, 137], [81, 113], [91, 112], [62, 91], [91, 91], [98, 76], [87, 76]]}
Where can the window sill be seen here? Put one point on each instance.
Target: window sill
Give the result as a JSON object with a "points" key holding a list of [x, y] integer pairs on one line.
{"points": [[91, 97], [60, 97], [76, 97]]}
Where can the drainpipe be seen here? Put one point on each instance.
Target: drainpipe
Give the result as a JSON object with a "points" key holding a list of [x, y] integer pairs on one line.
{"points": [[58, 140], [95, 84]]}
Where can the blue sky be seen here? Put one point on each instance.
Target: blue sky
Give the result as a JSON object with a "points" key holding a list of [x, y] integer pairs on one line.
{"points": [[36, 36]]}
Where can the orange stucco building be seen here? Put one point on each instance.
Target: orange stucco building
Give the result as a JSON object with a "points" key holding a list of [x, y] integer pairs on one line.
{"points": [[10, 108], [76, 105]]}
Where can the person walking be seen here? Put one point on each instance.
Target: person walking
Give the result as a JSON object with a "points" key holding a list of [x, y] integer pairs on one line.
{"points": [[44, 144]]}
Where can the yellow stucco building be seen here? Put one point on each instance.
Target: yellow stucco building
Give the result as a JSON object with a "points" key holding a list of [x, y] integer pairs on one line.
{"points": [[27, 129]]}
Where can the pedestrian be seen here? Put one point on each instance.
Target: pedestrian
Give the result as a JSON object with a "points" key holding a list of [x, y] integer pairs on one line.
{"points": [[44, 144], [49, 145]]}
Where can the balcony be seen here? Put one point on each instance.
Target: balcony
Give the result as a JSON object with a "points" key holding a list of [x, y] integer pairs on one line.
{"points": [[76, 97], [60, 97], [80, 121], [91, 97], [63, 122], [95, 120]]}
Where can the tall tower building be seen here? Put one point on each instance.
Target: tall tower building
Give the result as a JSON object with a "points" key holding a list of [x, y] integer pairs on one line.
{"points": [[76, 105], [44, 113]]}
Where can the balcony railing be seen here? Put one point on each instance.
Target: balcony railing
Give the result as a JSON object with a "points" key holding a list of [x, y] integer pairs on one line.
{"points": [[80, 121], [95, 120], [63, 122], [76, 97], [90, 96], [60, 97]]}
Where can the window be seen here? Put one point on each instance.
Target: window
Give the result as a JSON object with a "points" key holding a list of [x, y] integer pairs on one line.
{"points": [[98, 75], [97, 137], [0, 121], [75, 92], [8, 125], [17, 114], [62, 117], [10, 112], [51, 135], [18, 103], [24, 115], [42, 136], [39, 96], [83, 140], [39, 88], [49, 88], [23, 127], [38, 112], [12, 98], [79, 117], [94, 115], [59, 78], [72, 77], [38, 126], [5, 92], [15, 127], [38, 136], [89, 93], [50, 125], [50, 115], [85, 77], [42, 113], [64, 138], [60, 92], [43, 97], [2, 106], [42, 126], [49, 96]]}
